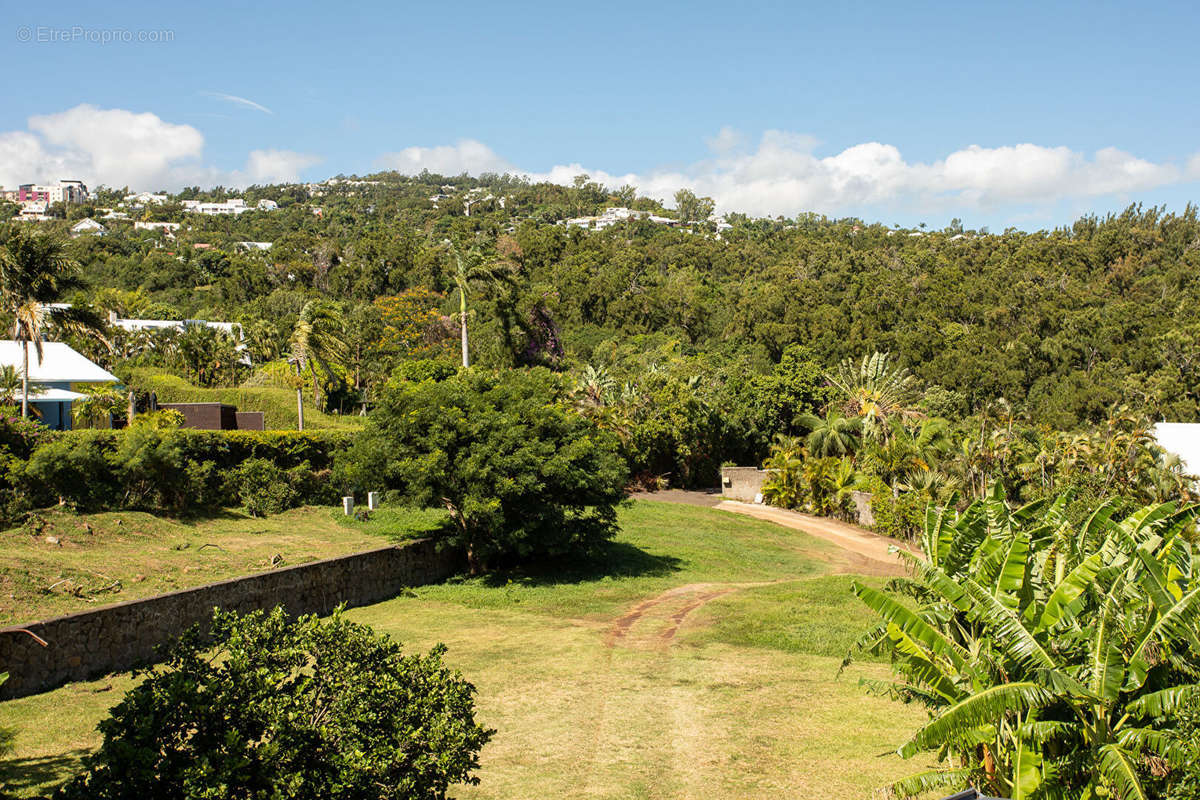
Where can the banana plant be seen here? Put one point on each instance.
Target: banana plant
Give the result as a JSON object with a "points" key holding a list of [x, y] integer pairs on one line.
{"points": [[1052, 657]]}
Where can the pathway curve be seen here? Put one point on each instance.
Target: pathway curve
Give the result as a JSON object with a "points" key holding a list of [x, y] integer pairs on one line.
{"points": [[864, 552]]}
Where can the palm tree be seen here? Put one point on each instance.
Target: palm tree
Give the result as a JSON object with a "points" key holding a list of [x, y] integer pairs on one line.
{"points": [[98, 407], [471, 269], [877, 392], [35, 272], [836, 435], [10, 384], [316, 344]]}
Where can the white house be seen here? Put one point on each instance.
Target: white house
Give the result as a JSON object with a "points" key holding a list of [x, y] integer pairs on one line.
{"points": [[1182, 439], [234, 205], [87, 225], [144, 198], [54, 376], [167, 227], [267, 205]]}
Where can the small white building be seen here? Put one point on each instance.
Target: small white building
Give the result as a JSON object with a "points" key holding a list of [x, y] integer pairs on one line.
{"points": [[267, 205], [234, 205], [54, 376], [87, 227], [142, 199], [167, 227]]}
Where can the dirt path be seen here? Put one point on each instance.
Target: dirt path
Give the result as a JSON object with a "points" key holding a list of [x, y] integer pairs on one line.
{"points": [[656, 621], [868, 553], [863, 552]]}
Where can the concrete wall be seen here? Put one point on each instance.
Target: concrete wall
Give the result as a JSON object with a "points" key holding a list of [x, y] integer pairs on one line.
{"points": [[119, 637], [251, 420], [862, 509], [206, 416], [742, 483]]}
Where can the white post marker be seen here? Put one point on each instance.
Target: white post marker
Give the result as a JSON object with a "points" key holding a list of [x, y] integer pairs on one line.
{"points": [[372, 500], [348, 505]]}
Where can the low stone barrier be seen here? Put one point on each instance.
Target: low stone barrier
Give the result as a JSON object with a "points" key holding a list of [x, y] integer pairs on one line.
{"points": [[119, 637], [742, 483]]}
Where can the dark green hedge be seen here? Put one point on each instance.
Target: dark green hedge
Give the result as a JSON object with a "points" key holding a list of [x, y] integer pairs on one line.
{"points": [[175, 470]]}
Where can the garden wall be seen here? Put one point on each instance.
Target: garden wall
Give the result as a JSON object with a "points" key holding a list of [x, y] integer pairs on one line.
{"points": [[119, 637], [742, 483]]}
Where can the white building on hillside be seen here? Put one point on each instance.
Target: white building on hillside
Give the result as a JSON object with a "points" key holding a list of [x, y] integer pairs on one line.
{"points": [[235, 205], [87, 226], [53, 378]]}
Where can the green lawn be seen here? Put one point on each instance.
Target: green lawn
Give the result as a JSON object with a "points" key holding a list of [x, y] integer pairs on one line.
{"points": [[702, 661], [72, 562]]}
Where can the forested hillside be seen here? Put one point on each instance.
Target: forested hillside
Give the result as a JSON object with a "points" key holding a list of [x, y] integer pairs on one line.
{"points": [[1057, 328]]}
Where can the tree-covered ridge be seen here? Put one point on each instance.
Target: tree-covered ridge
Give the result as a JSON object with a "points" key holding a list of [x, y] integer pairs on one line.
{"points": [[1062, 324]]}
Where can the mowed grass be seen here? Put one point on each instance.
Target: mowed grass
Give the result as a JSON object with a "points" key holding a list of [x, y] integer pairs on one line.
{"points": [[699, 660], [69, 562]]}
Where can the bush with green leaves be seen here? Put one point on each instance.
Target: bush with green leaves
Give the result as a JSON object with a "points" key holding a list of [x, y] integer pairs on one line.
{"points": [[263, 488], [523, 475], [1055, 659], [148, 466], [287, 708]]}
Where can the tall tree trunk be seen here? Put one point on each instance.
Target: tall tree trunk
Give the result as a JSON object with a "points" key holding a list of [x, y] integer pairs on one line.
{"points": [[299, 399], [462, 304], [25, 378]]}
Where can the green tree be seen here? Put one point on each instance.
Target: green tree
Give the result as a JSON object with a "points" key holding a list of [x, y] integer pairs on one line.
{"points": [[691, 208], [835, 435], [316, 344], [288, 708], [877, 392], [36, 272], [473, 270], [521, 473], [1054, 658]]}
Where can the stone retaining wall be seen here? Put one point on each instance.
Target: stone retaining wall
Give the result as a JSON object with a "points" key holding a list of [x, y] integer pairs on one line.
{"points": [[117, 638]]}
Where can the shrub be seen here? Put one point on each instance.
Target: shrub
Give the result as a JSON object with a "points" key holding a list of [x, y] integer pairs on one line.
{"points": [[262, 487], [522, 474], [302, 708], [74, 469], [152, 467], [898, 516]]}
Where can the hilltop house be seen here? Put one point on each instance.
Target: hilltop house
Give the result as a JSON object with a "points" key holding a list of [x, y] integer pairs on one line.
{"points": [[87, 225], [59, 371]]}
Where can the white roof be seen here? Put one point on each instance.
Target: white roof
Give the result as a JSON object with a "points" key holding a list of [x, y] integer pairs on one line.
{"points": [[51, 396], [1182, 439], [60, 364]]}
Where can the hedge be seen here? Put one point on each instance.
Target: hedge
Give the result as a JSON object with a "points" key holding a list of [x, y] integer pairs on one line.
{"points": [[143, 467]]}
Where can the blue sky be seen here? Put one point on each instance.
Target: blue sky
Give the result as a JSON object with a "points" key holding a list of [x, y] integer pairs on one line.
{"points": [[1023, 114]]}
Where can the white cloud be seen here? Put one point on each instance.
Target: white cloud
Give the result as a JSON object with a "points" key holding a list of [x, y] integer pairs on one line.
{"points": [[467, 156], [784, 175], [278, 166], [239, 101], [123, 148]]}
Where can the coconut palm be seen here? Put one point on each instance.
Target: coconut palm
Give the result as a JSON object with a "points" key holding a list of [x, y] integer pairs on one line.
{"points": [[35, 274], [316, 344], [472, 270], [1053, 657]]}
